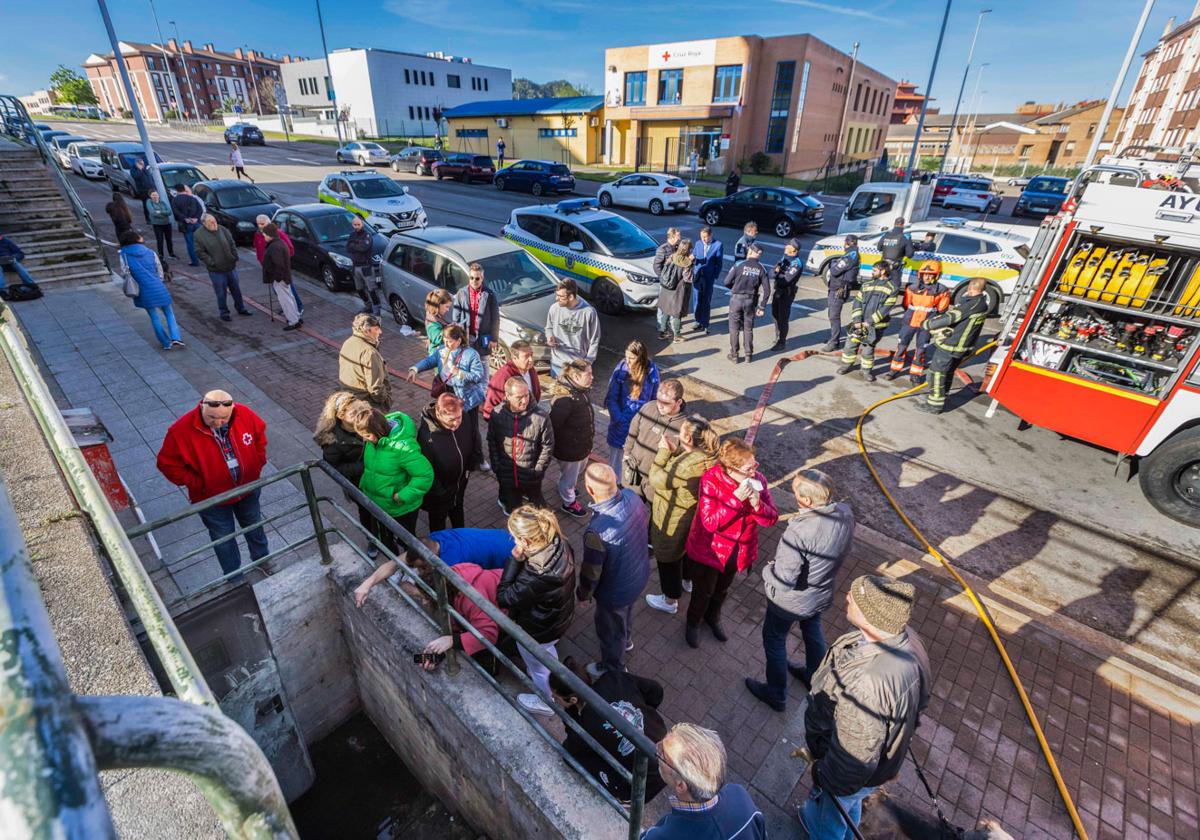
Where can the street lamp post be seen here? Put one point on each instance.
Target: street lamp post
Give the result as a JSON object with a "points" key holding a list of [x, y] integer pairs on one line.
{"points": [[253, 86], [1102, 126], [166, 61], [187, 73], [912, 157], [337, 122], [962, 85], [973, 120]]}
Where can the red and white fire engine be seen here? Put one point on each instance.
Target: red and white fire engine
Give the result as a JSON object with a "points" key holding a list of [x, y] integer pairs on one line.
{"points": [[1099, 342]]}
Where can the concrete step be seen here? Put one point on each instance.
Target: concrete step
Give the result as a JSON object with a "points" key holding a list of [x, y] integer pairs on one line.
{"points": [[38, 194], [53, 247], [38, 214], [18, 176], [25, 205], [58, 223], [97, 273], [49, 237], [76, 257]]}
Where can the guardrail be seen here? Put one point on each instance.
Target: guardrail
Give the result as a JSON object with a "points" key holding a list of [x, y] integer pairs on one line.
{"points": [[17, 124], [243, 792], [440, 619]]}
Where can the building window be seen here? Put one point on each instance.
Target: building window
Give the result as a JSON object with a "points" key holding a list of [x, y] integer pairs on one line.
{"points": [[781, 99], [857, 95], [1026, 149], [473, 85], [453, 81], [407, 79], [556, 132], [635, 88], [670, 86], [1092, 128], [485, 84], [727, 83], [411, 114], [800, 102], [470, 132], [303, 88]]}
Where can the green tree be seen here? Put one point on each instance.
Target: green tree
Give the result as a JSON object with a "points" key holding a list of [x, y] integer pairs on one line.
{"points": [[71, 88], [527, 89]]}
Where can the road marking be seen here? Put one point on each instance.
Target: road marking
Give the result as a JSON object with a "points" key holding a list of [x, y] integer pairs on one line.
{"points": [[300, 160]]}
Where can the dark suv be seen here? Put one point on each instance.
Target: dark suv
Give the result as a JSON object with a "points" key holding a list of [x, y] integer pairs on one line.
{"points": [[536, 176], [466, 167], [245, 134], [418, 159]]}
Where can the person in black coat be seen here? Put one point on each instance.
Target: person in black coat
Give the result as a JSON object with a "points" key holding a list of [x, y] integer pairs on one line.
{"points": [[143, 185], [732, 182], [118, 212], [538, 591], [785, 280], [842, 274], [359, 245], [452, 448], [574, 423], [747, 283], [342, 448]]}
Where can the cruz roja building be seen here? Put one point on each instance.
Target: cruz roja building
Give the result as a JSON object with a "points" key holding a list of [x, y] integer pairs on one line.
{"points": [[800, 102]]}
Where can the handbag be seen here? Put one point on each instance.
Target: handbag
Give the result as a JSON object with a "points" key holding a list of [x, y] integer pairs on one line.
{"points": [[670, 277], [438, 387], [129, 284]]}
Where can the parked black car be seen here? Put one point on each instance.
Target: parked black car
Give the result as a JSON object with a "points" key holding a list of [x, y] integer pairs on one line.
{"points": [[418, 159], [235, 204], [245, 134], [779, 210], [319, 233], [466, 167]]}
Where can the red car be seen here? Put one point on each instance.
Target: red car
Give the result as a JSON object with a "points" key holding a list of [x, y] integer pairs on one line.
{"points": [[943, 186], [466, 167]]}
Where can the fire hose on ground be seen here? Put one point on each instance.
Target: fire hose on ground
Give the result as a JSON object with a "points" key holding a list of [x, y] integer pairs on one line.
{"points": [[980, 608]]}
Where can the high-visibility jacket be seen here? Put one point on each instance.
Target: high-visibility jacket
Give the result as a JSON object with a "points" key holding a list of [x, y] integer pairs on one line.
{"points": [[922, 301], [873, 302], [956, 329]]}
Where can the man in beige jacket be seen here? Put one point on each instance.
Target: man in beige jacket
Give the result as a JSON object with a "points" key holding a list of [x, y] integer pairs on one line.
{"points": [[361, 368]]}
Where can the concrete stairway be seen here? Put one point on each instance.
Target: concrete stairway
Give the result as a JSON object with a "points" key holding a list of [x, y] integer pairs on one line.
{"points": [[36, 215]]}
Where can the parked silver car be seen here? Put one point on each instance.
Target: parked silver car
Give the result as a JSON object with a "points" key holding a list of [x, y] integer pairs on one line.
{"points": [[417, 262], [58, 146], [364, 154]]}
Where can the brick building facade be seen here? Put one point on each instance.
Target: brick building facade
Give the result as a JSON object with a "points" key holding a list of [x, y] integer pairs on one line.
{"points": [[1164, 107]]}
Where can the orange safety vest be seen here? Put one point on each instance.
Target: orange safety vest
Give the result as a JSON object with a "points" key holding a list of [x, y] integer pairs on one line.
{"points": [[921, 302]]}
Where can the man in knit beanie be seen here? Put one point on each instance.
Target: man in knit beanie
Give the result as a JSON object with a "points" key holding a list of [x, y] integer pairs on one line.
{"points": [[866, 702]]}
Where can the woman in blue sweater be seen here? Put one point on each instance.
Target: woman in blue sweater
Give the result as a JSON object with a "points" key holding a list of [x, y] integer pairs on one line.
{"points": [[461, 371], [633, 383], [152, 296]]}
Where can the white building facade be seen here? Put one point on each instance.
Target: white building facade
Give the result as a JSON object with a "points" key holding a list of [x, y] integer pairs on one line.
{"points": [[387, 93]]}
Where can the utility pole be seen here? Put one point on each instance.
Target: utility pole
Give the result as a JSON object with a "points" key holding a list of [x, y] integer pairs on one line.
{"points": [[846, 102], [973, 120], [337, 117], [912, 157], [151, 161], [1120, 81], [166, 61], [962, 85], [187, 73]]}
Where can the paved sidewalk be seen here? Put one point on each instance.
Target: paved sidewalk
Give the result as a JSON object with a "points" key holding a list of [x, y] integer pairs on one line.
{"points": [[1131, 766]]}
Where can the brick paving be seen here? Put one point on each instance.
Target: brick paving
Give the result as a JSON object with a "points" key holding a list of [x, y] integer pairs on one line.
{"points": [[1130, 765]]}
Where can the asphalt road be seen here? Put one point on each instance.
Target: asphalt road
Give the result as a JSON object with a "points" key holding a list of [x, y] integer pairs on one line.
{"points": [[1044, 519]]}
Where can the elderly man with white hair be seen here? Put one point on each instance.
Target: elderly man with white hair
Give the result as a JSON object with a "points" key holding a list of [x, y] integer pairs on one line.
{"points": [[691, 760], [213, 448], [217, 250]]}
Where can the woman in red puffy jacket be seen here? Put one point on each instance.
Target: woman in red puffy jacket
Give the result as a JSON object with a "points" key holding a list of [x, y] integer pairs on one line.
{"points": [[734, 503]]}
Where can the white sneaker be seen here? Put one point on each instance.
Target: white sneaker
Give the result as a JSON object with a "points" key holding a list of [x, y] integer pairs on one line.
{"points": [[534, 703], [485, 466], [687, 586], [595, 670], [629, 646], [659, 602]]}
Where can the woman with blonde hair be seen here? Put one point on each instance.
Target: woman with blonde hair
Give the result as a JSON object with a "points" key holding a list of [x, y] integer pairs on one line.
{"points": [[538, 590], [342, 448], [634, 382], [676, 295], [462, 372], [675, 480], [437, 316]]}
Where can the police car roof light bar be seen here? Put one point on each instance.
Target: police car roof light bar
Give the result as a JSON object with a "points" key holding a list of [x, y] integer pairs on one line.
{"points": [[576, 205]]}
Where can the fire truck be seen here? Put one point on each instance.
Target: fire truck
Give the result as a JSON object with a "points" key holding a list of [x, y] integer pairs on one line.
{"points": [[1099, 340]]}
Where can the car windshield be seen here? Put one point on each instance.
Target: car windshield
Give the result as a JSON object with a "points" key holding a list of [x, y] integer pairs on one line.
{"points": [[373, 147], [973, 185], [675, 182], [188, 176], [559, 169], [1047, 185], [129, 157], [515, 275], [622, 238], [377, 188], [89, 150], [330, 227], [242, 196]]}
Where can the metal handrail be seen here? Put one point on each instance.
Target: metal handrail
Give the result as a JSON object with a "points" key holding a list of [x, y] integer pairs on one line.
{"points": [[13, 116], [441, 620], [181, 669]]}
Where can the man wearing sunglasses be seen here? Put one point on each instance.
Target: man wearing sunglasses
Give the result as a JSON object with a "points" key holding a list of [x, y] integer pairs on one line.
{"points": [[215, 447]]}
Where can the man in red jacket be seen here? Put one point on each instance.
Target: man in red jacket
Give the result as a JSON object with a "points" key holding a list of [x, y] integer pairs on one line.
{"points": [[216, 447]]}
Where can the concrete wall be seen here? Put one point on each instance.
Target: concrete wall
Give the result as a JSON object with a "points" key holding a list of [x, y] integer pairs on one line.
{"points": [[468, 746]]}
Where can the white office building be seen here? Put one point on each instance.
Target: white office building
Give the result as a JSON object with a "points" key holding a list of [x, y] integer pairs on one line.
{"points": [[389, 93]]}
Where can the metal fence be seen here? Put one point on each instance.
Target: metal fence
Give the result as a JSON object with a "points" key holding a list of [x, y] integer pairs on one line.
{"points": [[441, 618]]}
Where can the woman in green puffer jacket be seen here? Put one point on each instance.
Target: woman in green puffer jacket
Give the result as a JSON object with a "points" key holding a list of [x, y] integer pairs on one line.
{"points": [[396, 476]]}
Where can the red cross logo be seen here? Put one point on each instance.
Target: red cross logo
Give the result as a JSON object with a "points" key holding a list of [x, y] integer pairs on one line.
{"points": [[247, 439], [666, 55]]}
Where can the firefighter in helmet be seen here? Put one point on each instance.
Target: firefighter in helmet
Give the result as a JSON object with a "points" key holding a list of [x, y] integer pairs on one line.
{"points": [[953, 334], [869, 317], [922, 299]]}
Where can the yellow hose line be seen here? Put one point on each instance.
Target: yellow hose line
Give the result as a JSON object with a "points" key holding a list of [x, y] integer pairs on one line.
{"points": [[979, 607]]}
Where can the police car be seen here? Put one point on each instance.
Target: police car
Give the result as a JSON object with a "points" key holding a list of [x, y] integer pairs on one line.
{"points": [[965, 250], [377, 198], [610, 257]]}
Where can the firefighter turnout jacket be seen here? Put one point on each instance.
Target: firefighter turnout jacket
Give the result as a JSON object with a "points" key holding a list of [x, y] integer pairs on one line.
{"points": [[896, 247], [920, 302], [873, 302], [955, 330]]}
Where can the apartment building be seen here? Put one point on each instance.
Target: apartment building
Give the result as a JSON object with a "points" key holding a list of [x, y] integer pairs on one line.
{"points": [[182, 79], [1164, 107], [794, 98]]}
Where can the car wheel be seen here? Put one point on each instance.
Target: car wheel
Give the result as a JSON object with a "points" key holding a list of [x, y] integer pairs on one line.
{"points": [[437, 175], [606, 199], [607, 297], [825, 273], [395, 166], [1170, 477], [784, 228], [465, 177], [500, 184], [362, 161], [712, 216], [328, 278], [537, 189], [400, 312], [420, 170], [338, 156], [498, 356], [656, 207]]}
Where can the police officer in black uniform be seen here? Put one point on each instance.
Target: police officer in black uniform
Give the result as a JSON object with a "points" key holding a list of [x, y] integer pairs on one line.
{"points": [[953, 334], [747, 283], [843, 277], [785, 279], [896, 247]]}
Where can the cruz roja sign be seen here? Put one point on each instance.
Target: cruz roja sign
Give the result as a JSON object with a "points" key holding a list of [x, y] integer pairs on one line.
{"points": [[682, 54]]}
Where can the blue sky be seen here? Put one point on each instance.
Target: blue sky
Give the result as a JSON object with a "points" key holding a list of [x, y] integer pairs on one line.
{"points": [[1042, 50]]}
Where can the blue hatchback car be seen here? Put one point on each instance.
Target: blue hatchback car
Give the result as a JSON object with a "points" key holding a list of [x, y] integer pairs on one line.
{"points": [[1042, 196], [539, 177]]}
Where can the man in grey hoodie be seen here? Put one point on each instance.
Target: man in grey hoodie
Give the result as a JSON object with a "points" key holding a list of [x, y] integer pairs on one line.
{"points": [[800, 583], [572, 328]]}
